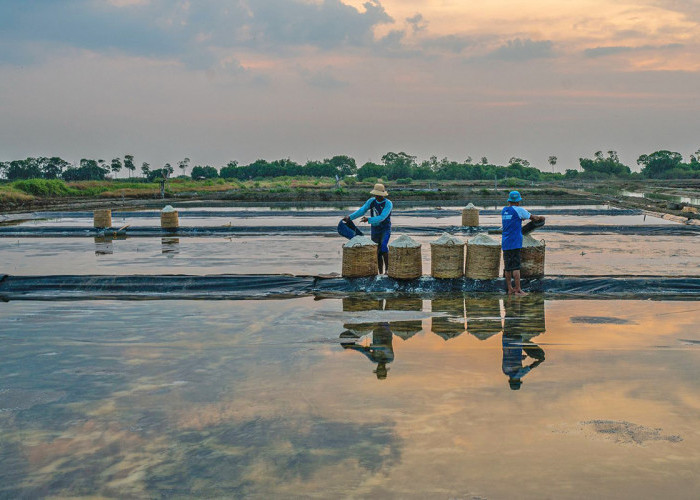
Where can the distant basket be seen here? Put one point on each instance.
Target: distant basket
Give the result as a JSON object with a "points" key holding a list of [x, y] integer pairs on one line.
{"points": [[483, 258], [169, 220], [360, 261], [405, 259], [532, 259], [470, 216], [483, 316], [446, 261], [102, 218]]}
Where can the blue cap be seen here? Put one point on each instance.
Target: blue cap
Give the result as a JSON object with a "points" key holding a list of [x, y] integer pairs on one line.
{"points": [[514, 197]]}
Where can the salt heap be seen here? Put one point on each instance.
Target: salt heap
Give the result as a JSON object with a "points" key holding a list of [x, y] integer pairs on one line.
{"points": [[483, 239], [446, 239], [529, 241], [359, 241], [470, 207], [168, 209], [404, 241]]}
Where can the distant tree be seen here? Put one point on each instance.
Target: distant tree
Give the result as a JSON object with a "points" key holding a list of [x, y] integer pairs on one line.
{"points": [[23, 169], [370, 171], [552, 161], [169, 169], [52, 168], [129, 164], [398, 165], [484, 160], [600, 166], [145, 169], [469, 160], [518, 161], [183, 164], [206, 172], [116, 166], [659, 163], [89, 170], [342, 164]]}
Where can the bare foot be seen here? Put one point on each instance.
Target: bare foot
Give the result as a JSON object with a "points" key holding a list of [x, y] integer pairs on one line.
{"points": [[520, 292], [511, 291]]}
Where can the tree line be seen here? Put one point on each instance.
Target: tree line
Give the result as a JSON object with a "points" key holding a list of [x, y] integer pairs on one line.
{"points": [[394, 167]]}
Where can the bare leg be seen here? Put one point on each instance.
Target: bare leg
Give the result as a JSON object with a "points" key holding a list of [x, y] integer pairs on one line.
{"points": [[385, 257], [509, 276], [380, 263], [516, 276]]}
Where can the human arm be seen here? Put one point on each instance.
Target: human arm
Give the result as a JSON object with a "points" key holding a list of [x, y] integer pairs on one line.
{"points": [[360, 211]]}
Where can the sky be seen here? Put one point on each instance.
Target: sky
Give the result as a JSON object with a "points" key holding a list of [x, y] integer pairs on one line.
{"points": [[222, 80]]}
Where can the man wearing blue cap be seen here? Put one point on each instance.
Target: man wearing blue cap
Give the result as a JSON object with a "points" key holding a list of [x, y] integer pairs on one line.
{"points": [[512, 239]]}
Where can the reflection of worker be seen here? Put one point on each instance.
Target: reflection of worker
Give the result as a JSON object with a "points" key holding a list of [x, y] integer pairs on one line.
{"points": [[513, 347], [512, 238], [380, 351], [380, 221]]}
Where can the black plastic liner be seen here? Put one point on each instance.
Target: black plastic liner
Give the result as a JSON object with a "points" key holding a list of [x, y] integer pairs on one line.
{"points": [[150, 231], [427, 212], [139, 287]]}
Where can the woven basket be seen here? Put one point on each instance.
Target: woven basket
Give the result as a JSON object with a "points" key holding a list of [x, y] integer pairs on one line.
{"points": [[102, 218], [446, 261], [525, 316], [169, 220], [452, 326], [483, 261], [470, 217], [405, 263], [532, 261], [359, 262], [483, 316]]}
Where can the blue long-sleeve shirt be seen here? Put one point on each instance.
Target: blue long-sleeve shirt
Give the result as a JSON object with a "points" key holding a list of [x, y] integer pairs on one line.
{"points": [[374, 221]]}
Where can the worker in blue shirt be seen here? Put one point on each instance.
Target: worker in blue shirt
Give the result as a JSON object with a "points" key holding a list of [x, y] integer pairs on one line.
{"points": [[512, 239], [380, 221]]}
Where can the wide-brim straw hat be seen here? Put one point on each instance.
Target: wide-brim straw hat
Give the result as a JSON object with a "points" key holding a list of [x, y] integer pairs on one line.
{"points": [[379, 190]]}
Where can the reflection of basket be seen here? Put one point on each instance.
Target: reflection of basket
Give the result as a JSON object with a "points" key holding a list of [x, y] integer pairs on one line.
{"points": [[532, 258], [169, 220], [525, 316], [102, 218], [452, 326], [483, 316], [483, 258], [405, 261], [446, 261], [470, 216], [103, 245], [355, 304], [360, 261]]}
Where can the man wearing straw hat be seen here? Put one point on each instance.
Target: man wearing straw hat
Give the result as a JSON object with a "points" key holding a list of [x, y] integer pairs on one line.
{"points": [[512, 238], [380, 222]]}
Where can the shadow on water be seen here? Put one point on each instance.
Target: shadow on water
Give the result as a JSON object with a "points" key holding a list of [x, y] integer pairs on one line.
{"points": [[517, 319]]}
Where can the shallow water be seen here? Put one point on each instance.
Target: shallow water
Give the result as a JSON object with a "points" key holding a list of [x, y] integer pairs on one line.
{"points": [[593, 254], [401, 398]]}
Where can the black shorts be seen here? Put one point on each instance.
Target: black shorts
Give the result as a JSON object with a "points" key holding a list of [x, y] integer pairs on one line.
{"points": [[511, 259]]}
